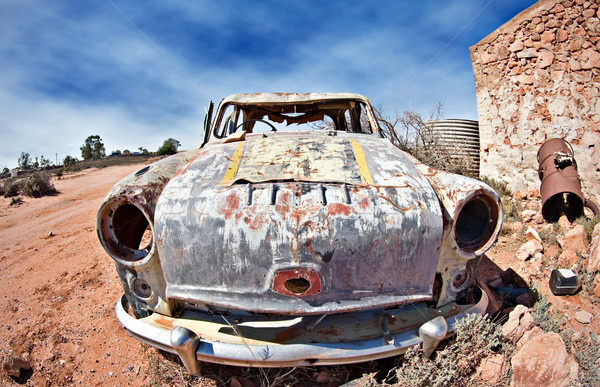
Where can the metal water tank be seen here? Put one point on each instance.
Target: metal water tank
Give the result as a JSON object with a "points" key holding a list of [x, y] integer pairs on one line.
{"points": [[460, 138]]}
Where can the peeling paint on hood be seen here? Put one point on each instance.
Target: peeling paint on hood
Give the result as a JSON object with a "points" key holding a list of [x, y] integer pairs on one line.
{"points": [[297, 159]]}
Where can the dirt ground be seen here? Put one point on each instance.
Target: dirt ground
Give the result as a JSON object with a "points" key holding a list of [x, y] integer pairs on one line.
{"points": [[59, 287]]}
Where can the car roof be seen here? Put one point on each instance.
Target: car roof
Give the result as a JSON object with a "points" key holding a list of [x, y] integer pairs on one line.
{"points": [[270, 98]]}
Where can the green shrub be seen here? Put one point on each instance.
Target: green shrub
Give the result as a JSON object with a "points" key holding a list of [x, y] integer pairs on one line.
{"points": [[512, 210], [16, 200], [38, 184], [12, 189], [500, 186], [543, 316], [586, 349], [588, 224]]}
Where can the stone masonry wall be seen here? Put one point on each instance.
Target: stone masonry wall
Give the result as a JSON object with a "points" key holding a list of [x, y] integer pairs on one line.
{"points": [[538, 77]]}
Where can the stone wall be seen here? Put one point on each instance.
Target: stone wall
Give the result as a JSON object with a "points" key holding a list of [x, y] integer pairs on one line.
{"points": [[538, 77]]}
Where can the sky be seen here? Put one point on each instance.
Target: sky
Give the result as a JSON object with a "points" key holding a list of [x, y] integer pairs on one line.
{"points": [[136, 73]]}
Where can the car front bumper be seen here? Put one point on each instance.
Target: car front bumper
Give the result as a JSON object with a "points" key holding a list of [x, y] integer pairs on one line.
{"points": [[286, 341]]}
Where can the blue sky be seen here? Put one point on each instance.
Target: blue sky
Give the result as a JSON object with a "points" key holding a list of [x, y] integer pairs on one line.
{"points": [[137, 73]]}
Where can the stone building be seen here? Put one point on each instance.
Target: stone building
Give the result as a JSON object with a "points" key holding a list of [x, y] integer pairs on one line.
{"points": [[538, 77]]}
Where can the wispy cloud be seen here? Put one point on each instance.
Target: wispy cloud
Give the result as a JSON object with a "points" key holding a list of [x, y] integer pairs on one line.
{"points": [[72, 69]]}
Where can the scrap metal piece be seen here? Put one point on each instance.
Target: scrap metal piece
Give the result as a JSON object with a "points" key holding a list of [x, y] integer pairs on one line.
{"points": [[560, 186]]}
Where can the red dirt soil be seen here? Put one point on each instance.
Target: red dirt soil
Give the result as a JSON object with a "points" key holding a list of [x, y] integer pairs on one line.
{"points": [[59, 288]]}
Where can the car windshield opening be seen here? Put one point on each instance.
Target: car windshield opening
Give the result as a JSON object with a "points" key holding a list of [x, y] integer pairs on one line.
{"points": [[349, 116]]}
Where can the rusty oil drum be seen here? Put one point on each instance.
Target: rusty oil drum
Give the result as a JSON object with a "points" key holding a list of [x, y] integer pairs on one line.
{"points": [[560, 186]]}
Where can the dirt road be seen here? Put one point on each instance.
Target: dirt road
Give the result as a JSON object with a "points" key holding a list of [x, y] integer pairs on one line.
{"points": [[59, 288]]}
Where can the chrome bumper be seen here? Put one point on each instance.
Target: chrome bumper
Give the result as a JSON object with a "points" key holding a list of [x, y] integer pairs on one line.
{"points": [[171, 335]]}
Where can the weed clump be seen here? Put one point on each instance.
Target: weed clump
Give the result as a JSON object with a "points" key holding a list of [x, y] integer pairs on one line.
{"points": [[543, 316], [499, 186], [11, 188], [588, 224], [587, 353], [16, 200], [476, 338], [37, 185]]}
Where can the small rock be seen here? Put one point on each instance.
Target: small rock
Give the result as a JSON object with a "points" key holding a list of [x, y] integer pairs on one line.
{"points": [[490, 370], [583, 317], [520, 195], [563, 222], [531, 234], [529, 249], [519, 321], [562, 35], [528, 215], [544, 361], [567, 258], [546, 58], [526, 54], [575, 239], [534, 267]]}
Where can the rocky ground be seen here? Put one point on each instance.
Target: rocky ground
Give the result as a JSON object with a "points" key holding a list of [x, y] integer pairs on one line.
{"points": [[59, 287]]}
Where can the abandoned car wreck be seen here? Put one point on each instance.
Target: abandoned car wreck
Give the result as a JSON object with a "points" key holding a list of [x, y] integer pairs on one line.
{"points": [[296, 234]]}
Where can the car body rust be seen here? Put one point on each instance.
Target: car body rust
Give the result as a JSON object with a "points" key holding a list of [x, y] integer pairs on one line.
{"points": [[324, 244]]}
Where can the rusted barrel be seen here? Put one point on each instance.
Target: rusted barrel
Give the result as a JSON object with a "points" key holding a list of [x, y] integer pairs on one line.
{"points": [[560, 186]]}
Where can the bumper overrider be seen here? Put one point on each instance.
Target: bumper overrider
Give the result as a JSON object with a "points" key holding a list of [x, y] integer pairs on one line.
{"points": [[287, 341]]}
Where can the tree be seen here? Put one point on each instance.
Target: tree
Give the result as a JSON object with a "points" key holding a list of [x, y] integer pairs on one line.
{"points": [[44, 162], [169, 147], [69, 160], [411, 133], [24, 161], [143, 150], [93, 148]]}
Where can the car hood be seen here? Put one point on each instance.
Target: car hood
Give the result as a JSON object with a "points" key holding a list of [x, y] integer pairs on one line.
{"points": [[302, 223]]}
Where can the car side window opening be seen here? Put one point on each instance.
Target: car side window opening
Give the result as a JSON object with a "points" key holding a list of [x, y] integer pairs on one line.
{"points": [[341, 116]]}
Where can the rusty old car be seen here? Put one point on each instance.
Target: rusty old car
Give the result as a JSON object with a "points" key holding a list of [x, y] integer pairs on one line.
{"points": [[296, 234]]}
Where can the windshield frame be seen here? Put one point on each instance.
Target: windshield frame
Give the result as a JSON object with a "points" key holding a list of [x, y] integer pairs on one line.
{"points": [[346, 111]]}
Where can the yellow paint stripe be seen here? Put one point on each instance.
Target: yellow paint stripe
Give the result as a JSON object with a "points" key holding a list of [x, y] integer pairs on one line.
{"points": [[363, 169], [233, 164]]}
